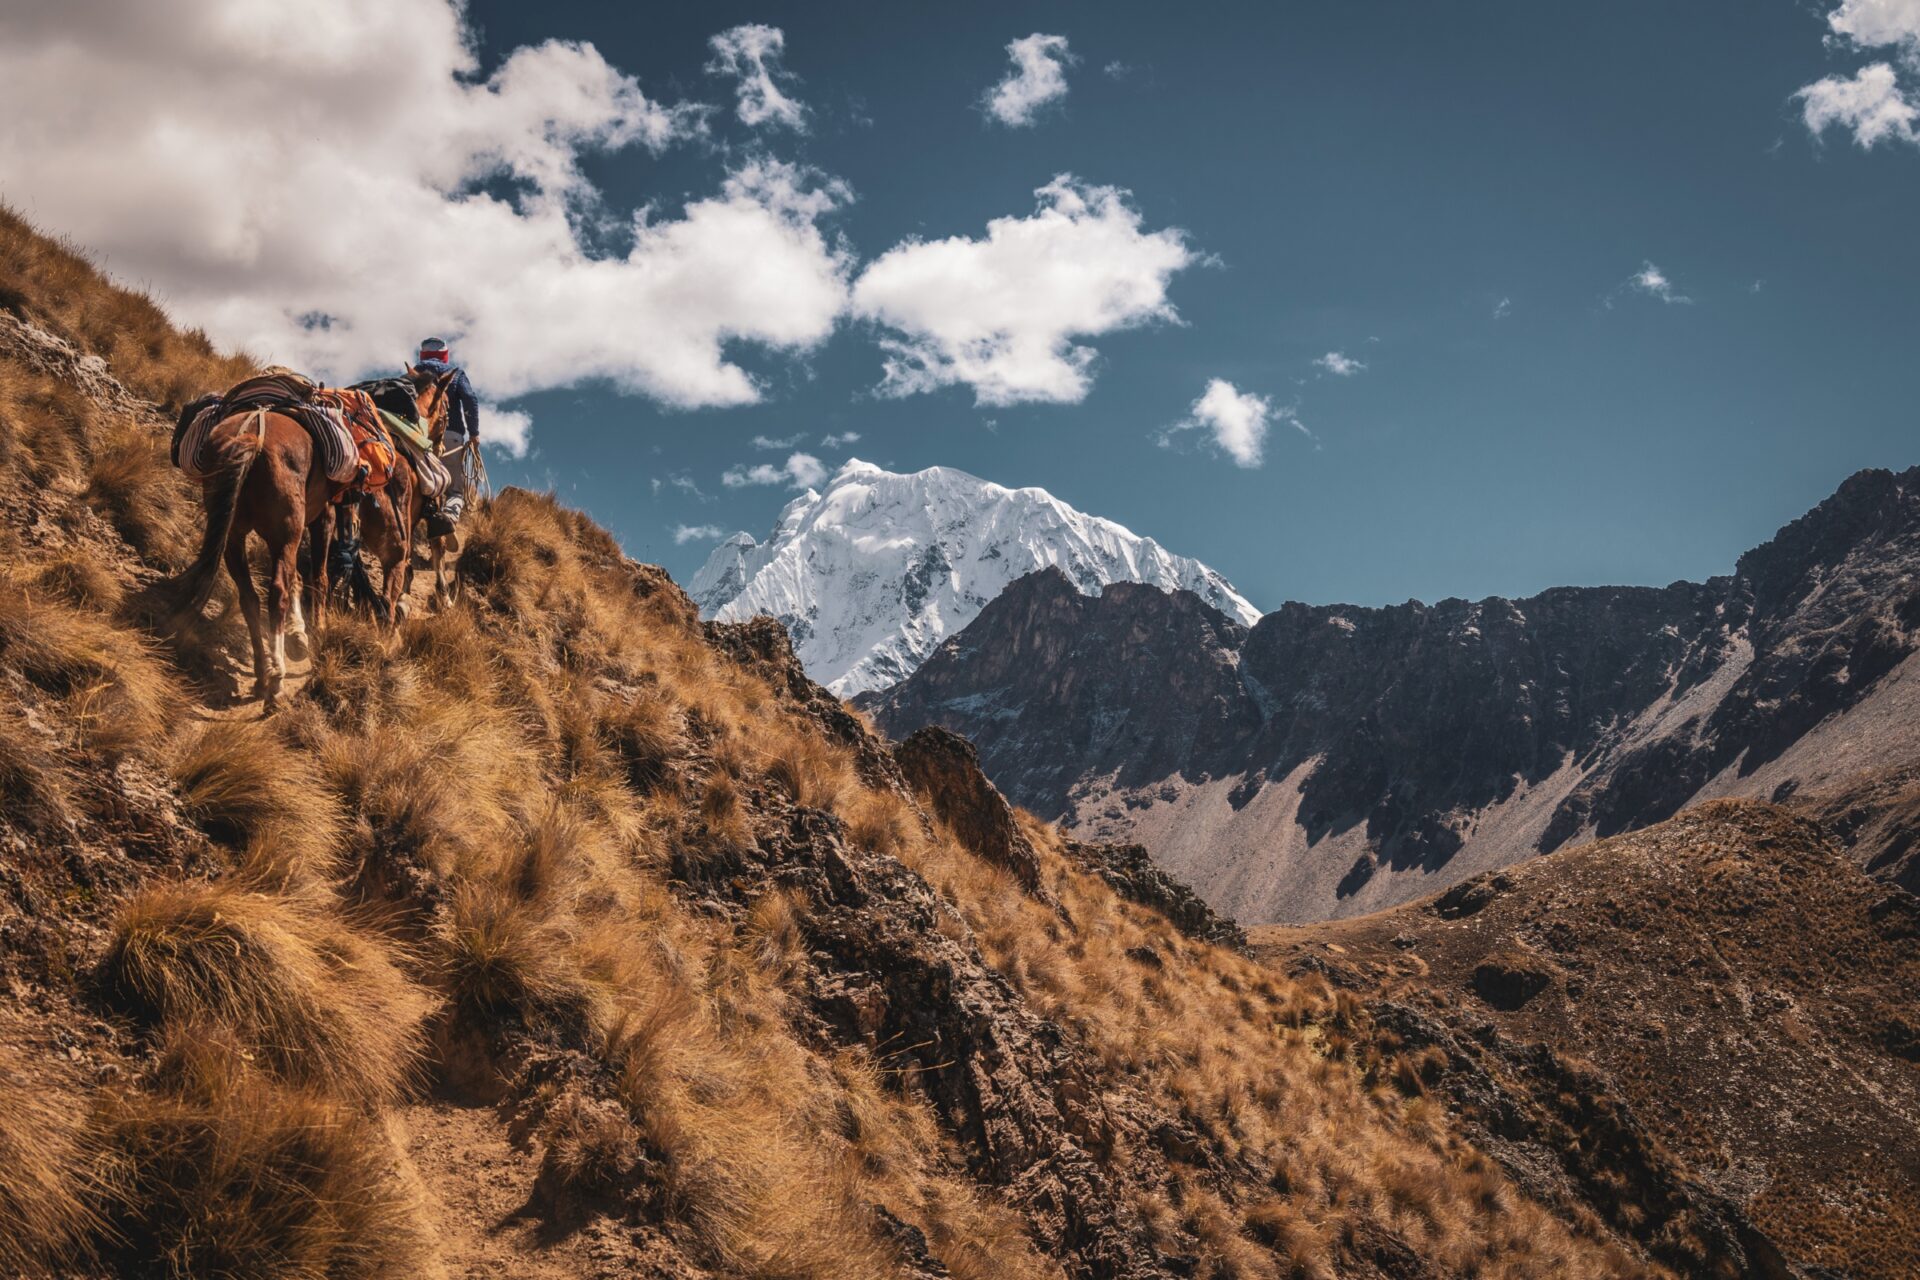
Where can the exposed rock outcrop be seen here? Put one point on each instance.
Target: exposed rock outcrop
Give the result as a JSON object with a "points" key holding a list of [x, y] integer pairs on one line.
{"points": [[943, 767]]}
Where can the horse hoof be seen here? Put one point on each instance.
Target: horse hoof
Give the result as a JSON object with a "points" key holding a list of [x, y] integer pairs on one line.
{"points": [[296, 645]]}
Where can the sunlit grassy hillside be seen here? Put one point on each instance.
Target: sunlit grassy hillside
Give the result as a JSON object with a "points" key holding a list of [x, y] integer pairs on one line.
{"points": [[636, 885]]}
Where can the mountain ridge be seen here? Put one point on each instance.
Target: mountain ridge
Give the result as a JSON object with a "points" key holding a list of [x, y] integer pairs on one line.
{"points": [[871, 574], [1334, 759]]}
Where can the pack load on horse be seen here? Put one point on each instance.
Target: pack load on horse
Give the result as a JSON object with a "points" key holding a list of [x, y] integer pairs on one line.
{"points": [[275, 390], [399, 407], [378, 455]]}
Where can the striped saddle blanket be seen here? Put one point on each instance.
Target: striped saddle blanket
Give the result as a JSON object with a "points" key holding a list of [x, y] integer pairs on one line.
{"points": [[332, 443], [288, 394]]}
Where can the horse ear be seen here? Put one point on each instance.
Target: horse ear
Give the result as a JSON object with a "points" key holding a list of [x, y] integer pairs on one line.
{"points": [[408, 367], [444, 379]]}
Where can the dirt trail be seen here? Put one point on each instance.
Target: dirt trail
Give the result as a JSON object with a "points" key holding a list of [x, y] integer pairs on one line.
{"points": [[235, 665], [477, 1186]]}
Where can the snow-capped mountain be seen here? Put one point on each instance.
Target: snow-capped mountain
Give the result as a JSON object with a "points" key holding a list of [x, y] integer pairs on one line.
{"points": [[870, 576]]}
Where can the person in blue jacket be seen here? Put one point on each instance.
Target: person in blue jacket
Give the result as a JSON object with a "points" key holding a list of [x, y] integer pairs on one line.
{"points": [[463, 425]]}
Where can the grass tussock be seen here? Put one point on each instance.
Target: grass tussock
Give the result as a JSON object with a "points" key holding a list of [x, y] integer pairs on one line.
{"points": [[35, 787], [48, 1206], [314, 1001], [132, 484], [116, 691], [220, 1171], [268, 806], [80, 579]]}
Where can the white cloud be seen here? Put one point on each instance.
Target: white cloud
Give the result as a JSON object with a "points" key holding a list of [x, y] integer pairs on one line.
{"points": [[327, 191], [1871, 104], [510, 430], [1000, 314], [685, 533], [751, 53], [840, 440], [1503, 308], [1237, 420], [801, 471], [1653, 282], [1340, 366], [1039, 76], [1874, 23], [768, 442]]}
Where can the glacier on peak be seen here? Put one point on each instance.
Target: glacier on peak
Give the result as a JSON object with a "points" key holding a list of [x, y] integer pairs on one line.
{"points": [[871, 575]]}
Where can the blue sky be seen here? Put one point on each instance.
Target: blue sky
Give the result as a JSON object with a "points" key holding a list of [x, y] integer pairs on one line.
{"points": [[1620, 313]]}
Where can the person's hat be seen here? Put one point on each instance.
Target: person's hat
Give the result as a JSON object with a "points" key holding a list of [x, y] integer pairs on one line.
{"points": [[433, 349]]}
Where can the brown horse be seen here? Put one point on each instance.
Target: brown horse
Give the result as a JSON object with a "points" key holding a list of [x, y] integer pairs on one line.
{"points": [[388, 518], [267, 480]]}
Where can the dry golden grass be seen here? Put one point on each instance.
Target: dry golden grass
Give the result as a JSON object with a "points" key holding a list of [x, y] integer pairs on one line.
{"points": [[221, 1172], [266, 804], [79, 578], [514, 786], [53, 285], [45, 427], [116, 689], [314, 1000], [133, 485], [34, 784], [47, 1203]]}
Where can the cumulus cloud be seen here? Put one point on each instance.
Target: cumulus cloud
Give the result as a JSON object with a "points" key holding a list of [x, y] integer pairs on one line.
{"points": [[840, 440], [752, 53], [685, 533], [1001, 314], [1503, 308], [769, 442], [801, 471], [1872, 24], [325, 192], [1039, 76], [510, 430], [1871, 105], [1340, 366], [1236, 421], [1877, 103]]}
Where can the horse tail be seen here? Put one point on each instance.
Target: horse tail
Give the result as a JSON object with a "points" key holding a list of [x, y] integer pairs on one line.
{"points": [[223, 504]]}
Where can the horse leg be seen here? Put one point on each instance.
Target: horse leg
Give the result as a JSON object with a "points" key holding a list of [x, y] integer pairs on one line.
{"points": [[445, 588], [281, 533], [242, 572], [317, 548], [297, 620]]}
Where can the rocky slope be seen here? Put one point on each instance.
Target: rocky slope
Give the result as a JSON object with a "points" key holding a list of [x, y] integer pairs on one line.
{"points": [[871, 575], [1333, 760], [1722, 999], [558, 933]]}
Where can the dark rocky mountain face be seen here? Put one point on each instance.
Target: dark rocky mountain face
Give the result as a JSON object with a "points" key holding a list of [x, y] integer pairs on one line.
{"points": [[1335, 759]]}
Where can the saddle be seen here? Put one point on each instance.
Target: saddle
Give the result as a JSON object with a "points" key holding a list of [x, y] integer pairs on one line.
{"points": [[275, 390], [370, 439]]}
